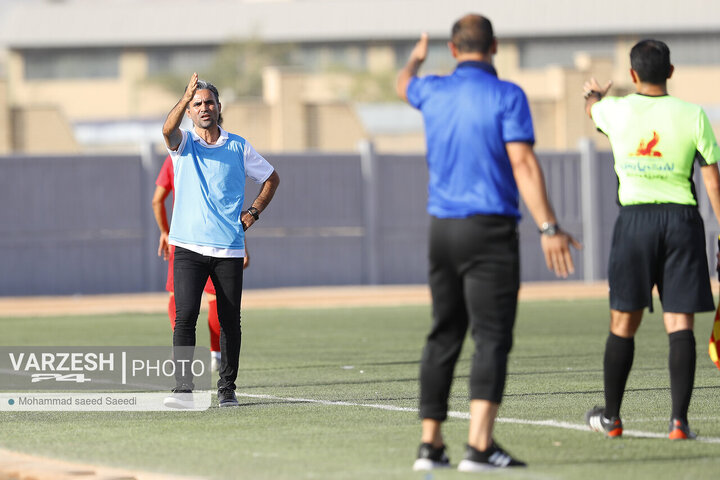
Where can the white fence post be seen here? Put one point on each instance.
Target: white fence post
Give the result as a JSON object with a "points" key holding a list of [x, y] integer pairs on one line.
{"points": [[151, 274], [369, 168], [591, 220]]}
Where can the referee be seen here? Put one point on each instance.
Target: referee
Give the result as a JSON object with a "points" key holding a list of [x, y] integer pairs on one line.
{"points": [[479, 155], [659, 237]]}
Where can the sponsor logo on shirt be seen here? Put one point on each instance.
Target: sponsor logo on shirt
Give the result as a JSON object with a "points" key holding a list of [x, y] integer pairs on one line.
{"points": [[648, 149]]}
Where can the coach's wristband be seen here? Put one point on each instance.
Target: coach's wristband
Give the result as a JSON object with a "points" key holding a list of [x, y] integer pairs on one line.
{"points": [[254, 212]]}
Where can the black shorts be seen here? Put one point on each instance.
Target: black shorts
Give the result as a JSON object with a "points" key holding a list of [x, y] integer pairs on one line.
{"points": [[661, 245]]}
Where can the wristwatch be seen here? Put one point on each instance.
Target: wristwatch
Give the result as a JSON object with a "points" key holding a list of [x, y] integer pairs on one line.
{"points": [[590, 93], [254, 212], [549, 229]]}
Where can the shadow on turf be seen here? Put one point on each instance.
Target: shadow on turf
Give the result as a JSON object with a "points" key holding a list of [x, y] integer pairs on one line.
{"points": [[261, 403], [604, 461], [334, 365], [588, 392], [459, 377], [338, 382]]}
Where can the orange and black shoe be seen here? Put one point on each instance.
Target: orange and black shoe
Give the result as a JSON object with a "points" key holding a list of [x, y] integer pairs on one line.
{"points": [[596, 420], [679, 430]]}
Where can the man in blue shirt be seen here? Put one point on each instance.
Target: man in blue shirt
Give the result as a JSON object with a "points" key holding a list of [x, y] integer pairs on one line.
{"points": [[480, 157], [208, 225]]}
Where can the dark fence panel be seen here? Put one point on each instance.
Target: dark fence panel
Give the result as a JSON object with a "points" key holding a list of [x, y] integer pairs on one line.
{"points": [[607, 183], [73, 225], [312, 233], [85, 224], [402, 221], [562, 177]]}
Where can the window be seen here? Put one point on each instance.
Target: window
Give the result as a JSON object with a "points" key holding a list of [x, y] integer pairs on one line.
{"points": [[324, 56], [180, 60], [541, 52], [439, 60], [66, 64], [693, 49]]}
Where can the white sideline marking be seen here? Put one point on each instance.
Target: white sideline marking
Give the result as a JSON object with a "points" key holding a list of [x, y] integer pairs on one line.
{"points": [[466, 416]]}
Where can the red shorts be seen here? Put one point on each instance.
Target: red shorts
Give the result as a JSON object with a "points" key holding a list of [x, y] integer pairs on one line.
{"points": [[169, 285]]}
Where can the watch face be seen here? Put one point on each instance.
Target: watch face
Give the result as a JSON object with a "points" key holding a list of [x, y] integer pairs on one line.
{"points": [[550, 229]]}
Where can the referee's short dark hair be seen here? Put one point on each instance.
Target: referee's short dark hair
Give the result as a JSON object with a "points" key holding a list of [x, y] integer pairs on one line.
{"points": [[473, 33], [651, 61]]}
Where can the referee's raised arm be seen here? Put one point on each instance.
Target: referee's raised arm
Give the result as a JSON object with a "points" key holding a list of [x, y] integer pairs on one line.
{"points": [[593, 93], [171, 127]]}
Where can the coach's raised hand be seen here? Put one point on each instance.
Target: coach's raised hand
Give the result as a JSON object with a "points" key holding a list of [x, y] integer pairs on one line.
{"points": [[171, 127], [190, 89]]}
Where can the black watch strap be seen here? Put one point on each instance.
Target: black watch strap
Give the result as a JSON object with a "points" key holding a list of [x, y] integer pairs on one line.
{"points": [[254, 212]]}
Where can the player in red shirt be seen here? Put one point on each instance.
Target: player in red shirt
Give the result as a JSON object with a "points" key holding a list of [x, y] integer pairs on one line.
{"points": [[164, 186]]}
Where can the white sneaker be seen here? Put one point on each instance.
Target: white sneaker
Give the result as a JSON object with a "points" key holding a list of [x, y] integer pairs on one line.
{"points": [[181, 398]]}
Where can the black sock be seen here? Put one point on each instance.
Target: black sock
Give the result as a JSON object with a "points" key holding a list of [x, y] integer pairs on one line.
{"points": [[681, 363], [618, 360]]}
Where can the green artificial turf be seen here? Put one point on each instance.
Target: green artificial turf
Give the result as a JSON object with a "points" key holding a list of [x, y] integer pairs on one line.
{"points": [[317, 378]]}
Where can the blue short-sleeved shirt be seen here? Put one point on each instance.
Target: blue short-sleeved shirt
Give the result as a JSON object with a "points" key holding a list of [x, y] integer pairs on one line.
{"points": [[469, 117]]}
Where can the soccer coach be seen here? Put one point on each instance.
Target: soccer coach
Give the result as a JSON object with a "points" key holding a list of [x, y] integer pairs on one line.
{"points": [[480, 155], [208, 224]]}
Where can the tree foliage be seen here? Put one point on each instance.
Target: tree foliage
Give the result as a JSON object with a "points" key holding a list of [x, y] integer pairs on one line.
{"points": [[235, 68], [238, 66]]}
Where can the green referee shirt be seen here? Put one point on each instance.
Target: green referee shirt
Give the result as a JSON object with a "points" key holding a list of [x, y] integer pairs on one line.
{"points": [[655, 141]]}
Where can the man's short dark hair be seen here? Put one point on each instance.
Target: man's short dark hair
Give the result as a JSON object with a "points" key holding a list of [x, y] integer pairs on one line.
{"points": [[203, 85], [473, 33], [651, 61]]}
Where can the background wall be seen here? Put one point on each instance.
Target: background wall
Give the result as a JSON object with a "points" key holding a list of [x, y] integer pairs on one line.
{"points": [[85, 225]]}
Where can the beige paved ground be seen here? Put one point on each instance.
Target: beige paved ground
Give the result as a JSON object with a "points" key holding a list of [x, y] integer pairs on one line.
{"points": [[18, 466], [307, 297]]}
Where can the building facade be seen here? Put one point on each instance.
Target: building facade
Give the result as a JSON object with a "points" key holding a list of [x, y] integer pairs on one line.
{"points": [[86, 75]]}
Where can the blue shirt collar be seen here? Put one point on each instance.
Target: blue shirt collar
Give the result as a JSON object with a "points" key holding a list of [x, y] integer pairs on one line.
{"points": [[477, 64]]}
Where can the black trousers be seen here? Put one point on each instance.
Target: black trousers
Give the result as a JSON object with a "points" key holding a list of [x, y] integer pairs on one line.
{"points": [[474, 281], [191, 271]]}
